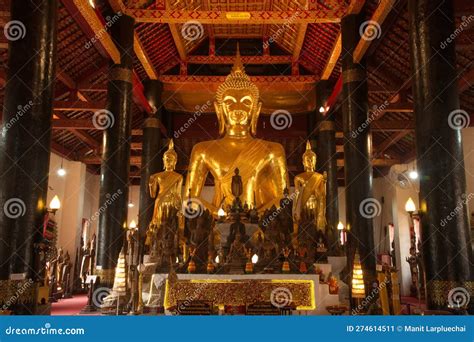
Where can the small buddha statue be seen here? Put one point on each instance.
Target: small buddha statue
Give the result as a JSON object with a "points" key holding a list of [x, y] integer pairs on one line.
{"points": [[237, 250], [310, 188], [165, 187], [261, 164]]}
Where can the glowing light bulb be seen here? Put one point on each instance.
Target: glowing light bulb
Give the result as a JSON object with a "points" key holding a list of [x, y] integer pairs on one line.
{"points": [[221, 212], [217, 259], [55, 203], [254, 259], [133, 225], [340, 226], [321, 109], [410, 206], [413, 174], [61, 172], [131, 205]]}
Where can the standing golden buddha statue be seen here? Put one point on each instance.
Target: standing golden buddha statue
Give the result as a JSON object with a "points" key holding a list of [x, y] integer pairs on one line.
{"points": [[166, 187], [261, 164], [310, 188]]}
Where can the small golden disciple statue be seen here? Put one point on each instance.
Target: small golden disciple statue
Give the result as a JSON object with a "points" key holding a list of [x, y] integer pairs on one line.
{"points": [[166, 187], [261, 164], [310, 188]]}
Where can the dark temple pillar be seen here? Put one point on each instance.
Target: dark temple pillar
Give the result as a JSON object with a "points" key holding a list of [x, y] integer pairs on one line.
{"points": [[361, 207], [113, 202], [25, 149], [152, 161], [327, 160], [446, 243]]}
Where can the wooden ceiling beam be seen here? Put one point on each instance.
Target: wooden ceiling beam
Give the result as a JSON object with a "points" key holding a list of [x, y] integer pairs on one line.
{"points": [[158, 16], [142, 56], [92, 24], [178, 42], [61, 151], [333, 58], [390, 141], [378, 17], [245, 59], [354, 7], [378, 125], [299, 41], [81, 135], [78, 106]]}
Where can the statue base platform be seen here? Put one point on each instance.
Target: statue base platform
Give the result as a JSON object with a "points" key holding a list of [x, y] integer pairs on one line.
{"points": [[300, 294]]}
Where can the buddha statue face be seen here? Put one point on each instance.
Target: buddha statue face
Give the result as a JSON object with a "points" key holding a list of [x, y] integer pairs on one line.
{"points": [[309, 158], [309, 162], [169, 161], [170, 157], [237, 106]]}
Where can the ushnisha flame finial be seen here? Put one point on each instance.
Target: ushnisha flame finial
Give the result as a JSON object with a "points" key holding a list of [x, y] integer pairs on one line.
{"points": [[238, 66], [309, 151], [171, 149]]}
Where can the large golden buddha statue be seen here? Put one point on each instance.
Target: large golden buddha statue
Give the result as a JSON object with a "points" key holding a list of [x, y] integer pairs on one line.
{"points": [[262, 164], [166, 188], [310, 188]]}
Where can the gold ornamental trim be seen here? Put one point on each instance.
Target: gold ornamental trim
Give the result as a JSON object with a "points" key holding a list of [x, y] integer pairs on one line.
{"points": [[438, 290], [106, 275], [151, 123], [120, 74], [300, 293], [353, 75], [16, 291], [327, 126]]}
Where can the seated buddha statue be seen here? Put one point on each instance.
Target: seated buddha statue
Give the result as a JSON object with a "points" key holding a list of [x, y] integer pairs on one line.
{"points": [[310, 188], [166, 187], [261, 164]]}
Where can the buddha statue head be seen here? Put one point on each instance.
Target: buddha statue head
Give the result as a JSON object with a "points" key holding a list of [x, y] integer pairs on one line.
{"points": [[170, 157], [309, 158], [237, 102]]}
